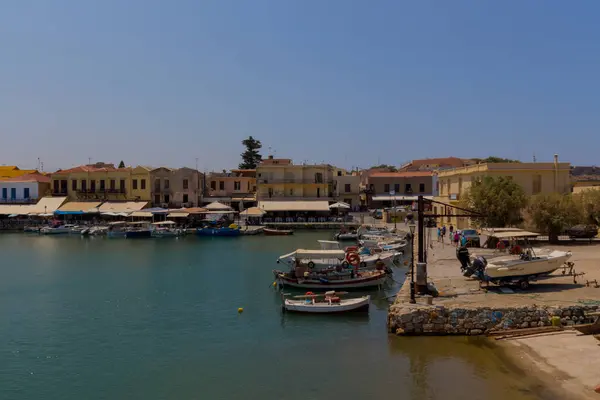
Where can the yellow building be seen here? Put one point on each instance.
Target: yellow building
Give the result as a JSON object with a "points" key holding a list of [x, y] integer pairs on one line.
{"points": [[281, 180], [12, 171], [90, 182], [534, 178], [582, 186], [141, 188]]}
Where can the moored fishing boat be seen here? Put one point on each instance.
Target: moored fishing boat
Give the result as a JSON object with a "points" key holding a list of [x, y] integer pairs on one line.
{"points": [[116, 229], [56, 230], [329, 281], [277, 232], [227, 231], [329, 302], [165, 229], [138, 230]]}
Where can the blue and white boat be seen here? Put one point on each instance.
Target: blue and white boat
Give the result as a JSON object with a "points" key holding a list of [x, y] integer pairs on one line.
{"points": [[138, 230], [231, 230]]}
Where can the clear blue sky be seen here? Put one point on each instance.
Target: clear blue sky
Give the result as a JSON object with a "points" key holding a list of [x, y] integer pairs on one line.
{"points": [[352, 83]]}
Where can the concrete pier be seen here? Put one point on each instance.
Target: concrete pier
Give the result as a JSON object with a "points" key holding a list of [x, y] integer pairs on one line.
{"points": [[463, 308]]}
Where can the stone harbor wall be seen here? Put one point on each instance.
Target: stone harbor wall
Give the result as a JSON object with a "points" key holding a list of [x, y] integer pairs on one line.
{"points": [[419, 319]]}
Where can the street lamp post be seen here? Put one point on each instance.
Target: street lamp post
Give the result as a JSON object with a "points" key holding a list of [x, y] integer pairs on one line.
{"points": [[393, 194], [412, 227]]}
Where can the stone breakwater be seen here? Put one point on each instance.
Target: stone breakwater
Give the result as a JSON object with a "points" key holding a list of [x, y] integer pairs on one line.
{"points": [[419, 319]]}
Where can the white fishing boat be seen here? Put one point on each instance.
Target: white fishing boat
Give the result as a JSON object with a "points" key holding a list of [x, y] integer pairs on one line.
{"points": [[527, 264], [522, 266], [329, 302], [117, 229], [320, 259], [56, 230], [302, 278], [98, 231]]}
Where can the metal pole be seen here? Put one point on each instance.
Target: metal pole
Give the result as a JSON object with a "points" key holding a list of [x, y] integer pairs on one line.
{"points": [[394, 202], [412, 269]]}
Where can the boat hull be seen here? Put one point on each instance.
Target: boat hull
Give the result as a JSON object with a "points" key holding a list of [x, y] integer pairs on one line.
{"points": [[371, 281], [349, 305], [346, 237], [500, 269], [275, 232], [138, 234]]}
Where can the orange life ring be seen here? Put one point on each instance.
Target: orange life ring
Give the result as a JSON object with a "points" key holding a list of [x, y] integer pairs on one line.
{"points": [[353, 258], [351, 249]]}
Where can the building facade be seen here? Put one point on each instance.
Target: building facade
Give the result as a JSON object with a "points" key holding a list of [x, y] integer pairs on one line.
{"points": [[346, 187], [534, 178], [585, 178], [91, 182], [231, 187], [383, 189], [180, 187], [23, 189], [280, 179]]}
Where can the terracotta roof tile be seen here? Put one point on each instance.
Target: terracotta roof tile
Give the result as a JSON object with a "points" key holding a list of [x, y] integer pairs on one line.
{"points": [[29, 178], [407, 174]]}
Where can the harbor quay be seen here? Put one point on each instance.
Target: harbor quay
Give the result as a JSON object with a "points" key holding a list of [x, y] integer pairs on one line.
{"points": [[464, 307], [535, 325]]}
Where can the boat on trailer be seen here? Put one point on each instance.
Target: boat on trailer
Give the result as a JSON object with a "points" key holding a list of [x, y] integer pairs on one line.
{"points": [[518, 267], [326, 303]]}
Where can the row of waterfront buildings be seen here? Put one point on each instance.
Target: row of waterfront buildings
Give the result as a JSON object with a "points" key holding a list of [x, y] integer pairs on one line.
{"points": [[279, 184]]}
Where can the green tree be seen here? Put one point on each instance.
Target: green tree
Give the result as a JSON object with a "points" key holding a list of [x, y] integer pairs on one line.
{"points": [[552, 213], [251, 157], [588, 202], [121, 164], [386, 167], [498, 199], [493, 159]]}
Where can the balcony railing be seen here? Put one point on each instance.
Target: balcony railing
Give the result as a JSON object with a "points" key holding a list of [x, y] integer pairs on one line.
{"points": [[17, 201], [101, 191], [264, 181], [58, 192]]}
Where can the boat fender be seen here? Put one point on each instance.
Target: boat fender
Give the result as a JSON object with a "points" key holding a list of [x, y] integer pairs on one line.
{"points": [[353, 258], [363, 264], [240, 310], [311, 264]]}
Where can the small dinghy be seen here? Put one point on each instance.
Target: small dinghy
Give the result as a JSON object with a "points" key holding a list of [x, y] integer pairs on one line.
{"points": [[329, 302], [277, 232]]}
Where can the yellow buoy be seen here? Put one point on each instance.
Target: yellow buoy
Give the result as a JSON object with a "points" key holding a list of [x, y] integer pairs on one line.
{"points": [[240, 310], [275, 284]]}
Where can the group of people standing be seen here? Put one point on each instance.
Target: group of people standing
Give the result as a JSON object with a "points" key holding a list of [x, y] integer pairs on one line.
{"points": [[454, 236]]}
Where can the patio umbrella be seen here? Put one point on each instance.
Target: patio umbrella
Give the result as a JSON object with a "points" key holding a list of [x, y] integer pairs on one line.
{"points": [[340, 205], [216, 206]]}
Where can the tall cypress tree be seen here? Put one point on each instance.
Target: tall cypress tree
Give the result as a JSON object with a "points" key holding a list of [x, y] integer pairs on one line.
{"points": [[251, 157]]}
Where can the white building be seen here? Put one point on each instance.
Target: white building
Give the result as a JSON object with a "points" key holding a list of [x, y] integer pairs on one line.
{"points": [[24, 189]]}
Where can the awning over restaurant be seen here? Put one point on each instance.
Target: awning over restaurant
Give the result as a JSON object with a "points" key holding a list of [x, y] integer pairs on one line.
{"points": [[399, 198], [270, 206], [126, 206], [178, 214], [14, 209], [48, 205], [143, 214], [78, 207], [246, 198], [253, 212]]}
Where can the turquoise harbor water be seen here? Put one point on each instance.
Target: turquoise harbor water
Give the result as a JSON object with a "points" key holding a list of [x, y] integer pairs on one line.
{"points": [[105, 318]]}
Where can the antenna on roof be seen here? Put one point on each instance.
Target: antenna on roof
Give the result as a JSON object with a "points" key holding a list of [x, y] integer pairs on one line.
{"points": [[533, 157]]}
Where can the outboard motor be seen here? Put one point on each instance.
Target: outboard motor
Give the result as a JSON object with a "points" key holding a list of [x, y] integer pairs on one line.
{"points": [[462, 254]]}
